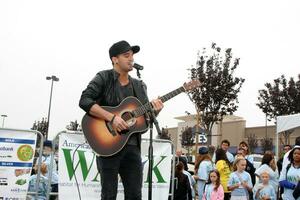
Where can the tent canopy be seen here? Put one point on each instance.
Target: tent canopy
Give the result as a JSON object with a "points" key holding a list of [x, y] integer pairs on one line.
{"points": [[287, 122]]}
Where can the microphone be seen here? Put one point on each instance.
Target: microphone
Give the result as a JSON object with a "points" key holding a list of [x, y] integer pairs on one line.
{"points": [[137, 66]]}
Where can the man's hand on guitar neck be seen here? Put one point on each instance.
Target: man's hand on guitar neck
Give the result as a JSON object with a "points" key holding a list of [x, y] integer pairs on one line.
{"points": [[157, 105]]}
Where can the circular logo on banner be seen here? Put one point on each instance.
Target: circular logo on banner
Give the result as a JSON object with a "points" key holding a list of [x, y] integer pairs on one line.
{"points": [[25, 152]]}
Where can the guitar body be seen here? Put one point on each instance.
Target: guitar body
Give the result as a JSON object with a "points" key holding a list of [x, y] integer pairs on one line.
{"points": [[106, 141]]}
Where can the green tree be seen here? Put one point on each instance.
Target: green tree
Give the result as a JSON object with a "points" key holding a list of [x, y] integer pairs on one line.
{"points": [[266, 144], [188, 138], [73, 126], [41, 126], [252, 142], [218, 94], [280, 98]]}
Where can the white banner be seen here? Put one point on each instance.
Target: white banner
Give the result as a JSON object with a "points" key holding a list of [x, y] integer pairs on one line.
{"points": [[87, 175], [16, 156]]}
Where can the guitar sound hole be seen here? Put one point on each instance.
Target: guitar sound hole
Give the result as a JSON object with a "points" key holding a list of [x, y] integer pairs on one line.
{"points": [[129, 118]]}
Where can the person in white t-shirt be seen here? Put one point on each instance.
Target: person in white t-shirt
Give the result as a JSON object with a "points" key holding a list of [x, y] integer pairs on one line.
{"points": [[240, 181], [263, 190], [46, 158], [268, 165], [203, 166], [290, 176], [191, 181], [286, 161], [225, 144]]}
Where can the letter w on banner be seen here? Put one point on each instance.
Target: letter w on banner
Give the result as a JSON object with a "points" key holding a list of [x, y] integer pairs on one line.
{"points": [[83, 166]]}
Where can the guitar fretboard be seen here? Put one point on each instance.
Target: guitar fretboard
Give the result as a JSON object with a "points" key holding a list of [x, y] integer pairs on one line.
{"points": [[148, 106]]}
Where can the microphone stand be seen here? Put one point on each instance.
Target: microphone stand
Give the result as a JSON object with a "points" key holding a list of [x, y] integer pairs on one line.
{"points": [[150, 150], [152, 120], [138, 74]]}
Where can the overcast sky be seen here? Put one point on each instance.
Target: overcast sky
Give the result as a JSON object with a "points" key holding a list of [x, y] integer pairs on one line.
{"points": [[70, 39]]}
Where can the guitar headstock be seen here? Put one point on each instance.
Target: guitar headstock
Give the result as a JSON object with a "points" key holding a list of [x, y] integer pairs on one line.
{"points": [[191, 85]]}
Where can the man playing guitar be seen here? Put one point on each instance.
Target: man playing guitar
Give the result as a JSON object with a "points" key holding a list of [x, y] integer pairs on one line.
{"points": [[109, 88]]}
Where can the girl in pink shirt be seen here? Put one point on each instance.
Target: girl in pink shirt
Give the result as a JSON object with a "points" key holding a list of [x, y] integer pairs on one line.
{"points": [[213, 189]]}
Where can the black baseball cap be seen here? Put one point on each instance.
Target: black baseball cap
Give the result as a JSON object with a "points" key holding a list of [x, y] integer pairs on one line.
{"points": [[122, 47], [203, 150], [48, 143]]}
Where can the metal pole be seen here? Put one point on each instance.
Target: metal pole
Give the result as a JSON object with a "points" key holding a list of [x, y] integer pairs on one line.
{"points": [[197, 132], [48, 118], [52, 78], [266, 126], [51, 164], [3, 118], [277, 140]]}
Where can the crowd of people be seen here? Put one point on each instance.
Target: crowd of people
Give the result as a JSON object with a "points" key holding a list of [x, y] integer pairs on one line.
{"points": [[222, 175], [217, 175]]}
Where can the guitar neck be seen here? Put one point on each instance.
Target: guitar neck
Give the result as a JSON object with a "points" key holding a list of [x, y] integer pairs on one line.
{"points": [[172, 94], [147, 107]]}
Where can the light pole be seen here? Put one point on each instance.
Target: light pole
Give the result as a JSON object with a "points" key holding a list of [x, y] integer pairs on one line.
{"points": [[52, 78], [3, 118], [266, 126]]}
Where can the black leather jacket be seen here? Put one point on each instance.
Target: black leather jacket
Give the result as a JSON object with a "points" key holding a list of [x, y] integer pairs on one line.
{"points": [[105, 91]]}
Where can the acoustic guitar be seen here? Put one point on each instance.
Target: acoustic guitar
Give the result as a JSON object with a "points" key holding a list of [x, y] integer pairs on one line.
{"points": [[107, 141]]}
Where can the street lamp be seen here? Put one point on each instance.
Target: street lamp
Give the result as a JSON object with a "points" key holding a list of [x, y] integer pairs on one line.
{"points": [[52, 78], [3, 118]]}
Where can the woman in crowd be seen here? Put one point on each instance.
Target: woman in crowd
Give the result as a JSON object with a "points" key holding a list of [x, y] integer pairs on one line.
{"points": [[290, 176], [247, 155], [182, 190], [203, 166], [223, 165]]}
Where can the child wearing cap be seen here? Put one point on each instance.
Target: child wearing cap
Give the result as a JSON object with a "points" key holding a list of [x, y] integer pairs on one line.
{"points": [[203, 166], [46, 158]]}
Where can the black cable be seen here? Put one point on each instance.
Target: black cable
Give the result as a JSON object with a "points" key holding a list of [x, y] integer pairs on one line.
{"points": [[74, 169]]}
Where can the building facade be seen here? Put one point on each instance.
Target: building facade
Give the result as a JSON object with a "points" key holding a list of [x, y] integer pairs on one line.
{"points": [[232, 128]]}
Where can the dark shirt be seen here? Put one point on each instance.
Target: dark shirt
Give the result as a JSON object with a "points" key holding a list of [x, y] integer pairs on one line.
{"points": [[127, 91], [251, 170], [279, 164], [182, 190]]}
